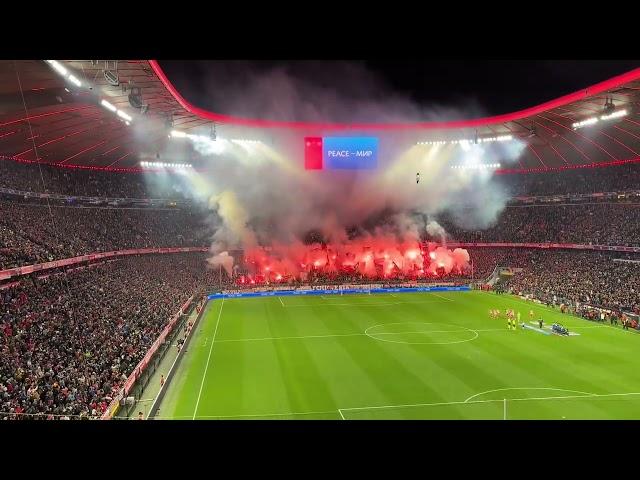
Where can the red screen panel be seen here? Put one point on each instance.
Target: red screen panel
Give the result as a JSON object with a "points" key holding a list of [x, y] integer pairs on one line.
{"points": [[313, 153]]}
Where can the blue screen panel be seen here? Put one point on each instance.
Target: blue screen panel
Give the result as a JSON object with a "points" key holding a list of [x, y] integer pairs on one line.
{"points": [[350, 153]]}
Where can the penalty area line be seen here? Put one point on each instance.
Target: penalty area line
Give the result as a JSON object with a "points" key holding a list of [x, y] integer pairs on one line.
{"points": [[593, 395]]}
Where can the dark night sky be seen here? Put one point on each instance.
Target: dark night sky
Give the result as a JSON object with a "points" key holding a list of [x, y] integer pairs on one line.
{"points": [[498, 86]]}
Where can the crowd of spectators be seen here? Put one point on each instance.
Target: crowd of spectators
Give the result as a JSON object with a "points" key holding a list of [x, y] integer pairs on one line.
{"points": [[97, 183], [584, 180], [596, 224], [89, 183], [68, 341], [485, 260], [32, 233], [592, 278], [35, 234]]}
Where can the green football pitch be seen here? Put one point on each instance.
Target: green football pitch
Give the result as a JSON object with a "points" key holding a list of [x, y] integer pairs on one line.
{"points": [[400, 356]]}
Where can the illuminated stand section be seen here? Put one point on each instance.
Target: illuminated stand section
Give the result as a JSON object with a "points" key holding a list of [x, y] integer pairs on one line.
{"points": [[341, 153]]}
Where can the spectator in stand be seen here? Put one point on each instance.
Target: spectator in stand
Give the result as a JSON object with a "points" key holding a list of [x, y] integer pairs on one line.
{"points": [[586, 278], [68, 341], [92, 183], [29, 234], [597, 224]]}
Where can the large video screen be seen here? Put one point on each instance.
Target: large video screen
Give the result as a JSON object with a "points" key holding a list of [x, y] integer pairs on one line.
{"points": [[341, 153]]}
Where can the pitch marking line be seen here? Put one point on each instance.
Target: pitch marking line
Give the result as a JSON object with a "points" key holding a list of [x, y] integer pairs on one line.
{"points": [[440, 296], [281, 302], [591, 326], [204, 375], [591, 395], [355, 335], [461, 329], [527, 388], [340, 412], [381, 304], [280, 414]]}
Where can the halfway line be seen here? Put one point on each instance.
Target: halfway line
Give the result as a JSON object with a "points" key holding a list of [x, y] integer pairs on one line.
{"points": [[359, 334]]}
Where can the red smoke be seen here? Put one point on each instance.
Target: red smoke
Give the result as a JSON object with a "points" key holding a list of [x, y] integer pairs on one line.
{"points": [[380, 257]]}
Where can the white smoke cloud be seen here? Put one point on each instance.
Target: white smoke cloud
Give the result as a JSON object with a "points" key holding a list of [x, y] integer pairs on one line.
{"points": [[222, 259], [436, 231], [262, 195]]}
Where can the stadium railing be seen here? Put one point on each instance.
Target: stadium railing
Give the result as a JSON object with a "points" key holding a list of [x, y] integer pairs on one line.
{"points": [[142, 365], [163, 389]]}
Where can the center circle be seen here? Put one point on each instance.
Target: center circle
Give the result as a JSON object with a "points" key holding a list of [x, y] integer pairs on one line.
{"points": [[421, 333]]}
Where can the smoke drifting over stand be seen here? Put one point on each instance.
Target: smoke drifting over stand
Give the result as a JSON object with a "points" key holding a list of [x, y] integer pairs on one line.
{"points": [[369, 220]]}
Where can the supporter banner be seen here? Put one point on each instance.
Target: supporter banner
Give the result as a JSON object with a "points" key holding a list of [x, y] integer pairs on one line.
{"points": [[26, 270], [113, 406], [573, 246], [79, 198], [580, 197], [356, 286], [368, 289]]}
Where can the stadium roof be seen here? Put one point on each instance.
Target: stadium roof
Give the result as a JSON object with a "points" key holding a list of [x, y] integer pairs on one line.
{"points": [[45, 116]]}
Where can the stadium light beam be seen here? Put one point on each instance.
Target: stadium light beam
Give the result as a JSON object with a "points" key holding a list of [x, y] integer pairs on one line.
{"points": [[75, 81], [123, 115], [618, 114], [57, 66], [108, 106], [465, 142], [593, 120]]}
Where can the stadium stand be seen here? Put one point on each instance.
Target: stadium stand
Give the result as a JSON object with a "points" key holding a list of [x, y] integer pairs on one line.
{"points": [[68, 342], [580, 277], [31, 233], [617, 178], [77, 182], [596, 224], [70, 338]]}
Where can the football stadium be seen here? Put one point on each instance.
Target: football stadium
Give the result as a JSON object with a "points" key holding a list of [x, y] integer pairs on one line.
{"points": [[273, 249]]}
